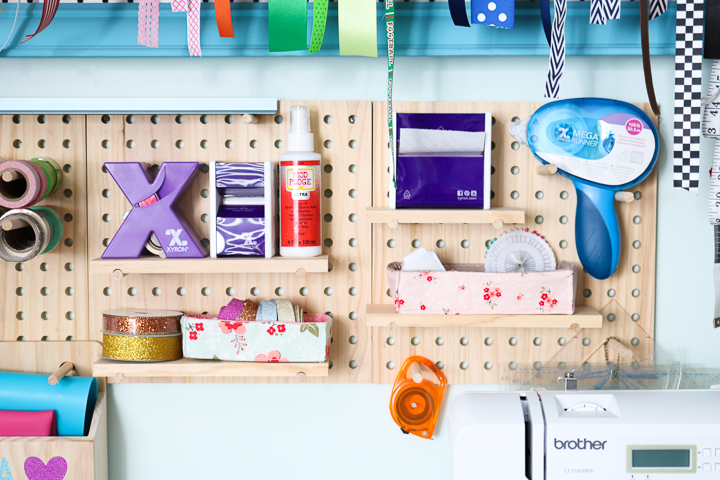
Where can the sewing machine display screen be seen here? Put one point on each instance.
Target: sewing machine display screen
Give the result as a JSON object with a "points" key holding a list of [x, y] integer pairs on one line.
{"points": [[661, 458]]}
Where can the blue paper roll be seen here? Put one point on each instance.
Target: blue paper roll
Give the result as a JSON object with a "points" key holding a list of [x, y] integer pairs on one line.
{"points": [[73, 399]]}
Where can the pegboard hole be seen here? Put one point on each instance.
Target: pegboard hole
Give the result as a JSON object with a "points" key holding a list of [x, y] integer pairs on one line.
{"points": [[563, 219], [539, 195], [105, 119], [353, 315], [330, 365], [353, 168], [229, 119], [352, 119], [17, 143], [155, 144], [514, 195], [132, 291], [328, 119], [515, 145], [130, 144], [66, 119], [66, 143], [69, 338], [204, 168], [440, 244], [513, 341], [587, 292], [563, 244], [155, 119], [304, 291], [492, 145], [17, 119], [328, 193], [353, 193], [204, 119], [635, 342], [636, 293], [70, 315], [68, 218], [635, 317], [636, 244], [464, 365], [230, 291], [610, 317], [353, 242], [204, 144], [69, 267], [254, 291], [561, 341], [353, 143], [537, 365], [328, 218], [279, 291], [537, 341], [67, 168], [330, 314], [586, 341], [44, 267], [69, 291], [353, 267], [229, 144], [515, 120], [20, 267], [391, 243], [563, 195], [106, 217], [327, 144], [353, 218], [45, 315], [515, 170], [20, 315], [328, 168], [464, 341], [439, 365], [637, 195], [465, 243], [130, 119], [636, 268], [20, 291], [278, 144], [488, 365], [439, 341], [416, 243], [67, 193], [107, 291], [106, 242], [611, 292], [637, 219], [488, 341], [328, 291], [539, 219], [512, 365], [389, 341], [353, 340], [278, 119], [41, 119], [390, 365], [205, 218], [205, 242], [181, 292], [106, 193], [415, 341], [157, 291], [42, 143], [45, 338], [179, 144], [179, 119], [328, 242]]}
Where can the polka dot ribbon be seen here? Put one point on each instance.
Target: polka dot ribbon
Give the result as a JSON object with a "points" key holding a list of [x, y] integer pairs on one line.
{"points": [[320, 8], [494, 13]]}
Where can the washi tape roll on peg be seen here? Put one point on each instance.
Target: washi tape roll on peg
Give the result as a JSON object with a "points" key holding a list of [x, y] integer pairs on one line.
{"points": [[142, 348], [24, 186], [286, 314], [141, 322], [27, 233]]}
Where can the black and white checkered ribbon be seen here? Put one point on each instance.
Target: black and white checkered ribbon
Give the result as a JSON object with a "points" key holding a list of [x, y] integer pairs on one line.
{"points": [[657, 8], [688, 94], [557, 51]]}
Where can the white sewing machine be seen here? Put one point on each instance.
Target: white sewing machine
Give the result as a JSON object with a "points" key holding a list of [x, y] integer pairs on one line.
{"points": [[594, 435]]}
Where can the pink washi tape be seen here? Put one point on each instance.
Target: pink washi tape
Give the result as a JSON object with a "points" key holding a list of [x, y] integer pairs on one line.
{"points": [[43, 180], [24, 187]]}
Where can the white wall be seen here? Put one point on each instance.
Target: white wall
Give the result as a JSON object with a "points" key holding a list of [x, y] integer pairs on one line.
{"points": [[319, 432]]}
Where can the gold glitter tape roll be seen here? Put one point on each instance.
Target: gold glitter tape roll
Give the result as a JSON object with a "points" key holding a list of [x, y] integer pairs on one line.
{"points": [[286, 313], [142, 348], [141, 322], [249, 312]]}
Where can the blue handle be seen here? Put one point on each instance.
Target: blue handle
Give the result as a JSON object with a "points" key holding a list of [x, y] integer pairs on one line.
{"points": [[597, 234]]}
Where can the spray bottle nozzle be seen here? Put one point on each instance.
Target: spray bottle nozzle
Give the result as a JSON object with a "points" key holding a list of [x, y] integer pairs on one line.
{"points": [[300, 139]]}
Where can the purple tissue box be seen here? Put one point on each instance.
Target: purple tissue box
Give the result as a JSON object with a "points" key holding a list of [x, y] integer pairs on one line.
{"points": [[443, 160], [241, 230]]}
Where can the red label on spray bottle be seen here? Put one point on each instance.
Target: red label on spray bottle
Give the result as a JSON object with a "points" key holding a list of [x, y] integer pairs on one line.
{"points": [[300, 203]]}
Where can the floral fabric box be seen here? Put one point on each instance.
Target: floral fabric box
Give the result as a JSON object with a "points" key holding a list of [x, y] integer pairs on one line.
{"points": [[468, 289], [207, 337]]}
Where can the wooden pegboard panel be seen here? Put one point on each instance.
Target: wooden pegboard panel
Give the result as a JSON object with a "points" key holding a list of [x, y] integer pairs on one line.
{"points": [[627, 298], [46, 298], [343, 135]]}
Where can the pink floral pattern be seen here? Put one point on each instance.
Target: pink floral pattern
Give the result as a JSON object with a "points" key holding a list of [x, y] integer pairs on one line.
{"points": [[547, 302], [228, 326], [491, 293], [274, 357]]}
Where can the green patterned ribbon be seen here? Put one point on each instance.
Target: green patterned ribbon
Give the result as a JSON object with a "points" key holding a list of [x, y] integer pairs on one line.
{"points": [[320, 8], [390, 28], [287, 24]]}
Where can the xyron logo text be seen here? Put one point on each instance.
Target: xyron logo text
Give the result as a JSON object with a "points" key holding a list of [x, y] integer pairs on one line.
{"points": [[176, 245], [579, 444]]}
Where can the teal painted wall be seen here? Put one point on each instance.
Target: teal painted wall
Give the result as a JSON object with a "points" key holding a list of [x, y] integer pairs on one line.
{"points": [[319, 432]]}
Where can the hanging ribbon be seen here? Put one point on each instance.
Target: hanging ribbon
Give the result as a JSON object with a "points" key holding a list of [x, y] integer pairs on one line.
{"points": [[557, 51], [192, 7], [48, 13], [546, 20], [357, 26], [458, 13], [223, 17], [688, 94], [657, 8], [647, 69], [495, 13], [612, 9], [598, 12], [320, 8], [148, 22], [390, 31], [287, 23], [712, 35]]}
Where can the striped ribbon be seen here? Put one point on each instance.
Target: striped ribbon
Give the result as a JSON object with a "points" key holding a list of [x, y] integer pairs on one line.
{"points": [[390, 30], [48, 13], [657, 8], [598, 12], [557, 51]]}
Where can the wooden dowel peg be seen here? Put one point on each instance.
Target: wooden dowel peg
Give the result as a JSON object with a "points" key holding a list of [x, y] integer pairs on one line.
{"points": [[249, 119], [416, 373], [624, 197], [498, 224], [300, 377], [13, 224], [393, 223], [548, 169], [300, 273], [575, 327], [64, 369], [11, 175], [117, 274], [621, 349], [119, 377]]}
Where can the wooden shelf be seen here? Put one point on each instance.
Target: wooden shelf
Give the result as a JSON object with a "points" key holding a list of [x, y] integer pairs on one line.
{"points": [[495, 216], [154, 265], [385, 315], [188, 367]]}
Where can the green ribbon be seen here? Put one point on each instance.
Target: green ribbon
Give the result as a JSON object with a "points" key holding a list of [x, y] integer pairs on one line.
{"points": [[287, 24], [320, 8], [390, 30], [357, 25]]}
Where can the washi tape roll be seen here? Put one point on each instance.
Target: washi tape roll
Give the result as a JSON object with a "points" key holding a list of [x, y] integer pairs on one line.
{"points": [[299, 314], [286, 314], [267, 311], [141, 322], [142, 348], [53, 172], [24, 234], [43, 180], [57, 227], [22, 188], [249, 312]]}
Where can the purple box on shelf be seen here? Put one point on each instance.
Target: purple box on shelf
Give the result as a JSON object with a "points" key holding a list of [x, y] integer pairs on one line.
{"points": [[240, 230], [443, 160]]}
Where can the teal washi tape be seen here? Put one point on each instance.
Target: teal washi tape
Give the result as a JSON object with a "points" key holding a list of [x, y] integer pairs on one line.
{"points": [[57, 228]]}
